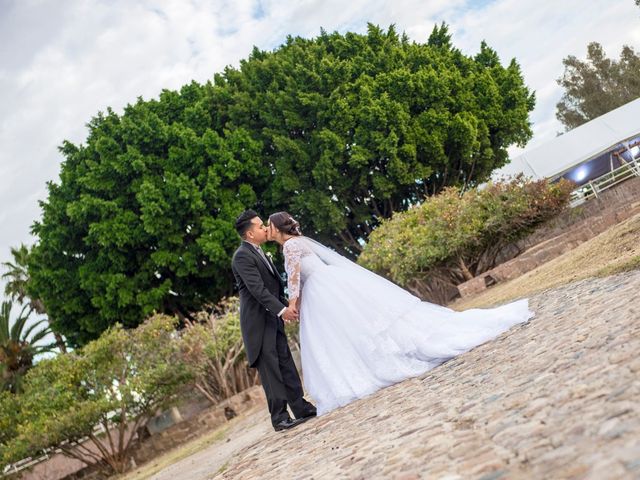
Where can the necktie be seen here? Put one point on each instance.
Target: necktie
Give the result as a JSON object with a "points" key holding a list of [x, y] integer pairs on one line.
{"points": [[264, 257]]}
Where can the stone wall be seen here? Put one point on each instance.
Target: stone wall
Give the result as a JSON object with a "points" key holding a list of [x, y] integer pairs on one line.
{"points": [[611, 202], [571, 228]]}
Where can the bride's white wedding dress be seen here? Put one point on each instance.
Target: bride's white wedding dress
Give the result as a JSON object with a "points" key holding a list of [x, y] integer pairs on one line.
{"points": [[359, 332]]}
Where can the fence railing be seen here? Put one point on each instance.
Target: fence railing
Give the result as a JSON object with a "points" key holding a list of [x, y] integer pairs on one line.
{"points": [[594, 187]]}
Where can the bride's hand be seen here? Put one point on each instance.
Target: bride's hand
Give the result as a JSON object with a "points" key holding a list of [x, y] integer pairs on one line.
{"points": [[293, 307], [290, 315], [294, 303]]}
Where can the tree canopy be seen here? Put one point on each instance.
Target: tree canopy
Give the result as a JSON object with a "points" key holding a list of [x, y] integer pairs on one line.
{"points": [[355, 127], [341, 130], [597, 85]]}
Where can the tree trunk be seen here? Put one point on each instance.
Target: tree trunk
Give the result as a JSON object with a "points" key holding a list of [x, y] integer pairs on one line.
{"points": [[465, 271], [60, 343]]}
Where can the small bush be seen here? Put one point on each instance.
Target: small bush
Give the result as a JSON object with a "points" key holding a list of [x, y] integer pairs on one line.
{"points": [[451, 238], [214, 349]]}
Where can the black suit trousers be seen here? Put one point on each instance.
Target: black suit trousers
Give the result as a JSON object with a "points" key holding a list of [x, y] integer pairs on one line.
{"points": [[280, 378]]}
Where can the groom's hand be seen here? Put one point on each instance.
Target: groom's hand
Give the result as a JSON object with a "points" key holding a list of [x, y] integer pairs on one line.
{"points": [[290, 315]]}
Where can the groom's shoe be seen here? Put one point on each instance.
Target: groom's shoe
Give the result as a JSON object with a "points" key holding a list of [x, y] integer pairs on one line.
{"points": [[307, 415], [287, 424]]}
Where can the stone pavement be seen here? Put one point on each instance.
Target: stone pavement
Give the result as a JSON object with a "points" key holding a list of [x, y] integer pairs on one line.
{"points": [[555, 398], [203, 464]]}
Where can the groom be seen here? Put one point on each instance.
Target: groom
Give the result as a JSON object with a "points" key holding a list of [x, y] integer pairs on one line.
{"points": [[262, 311]]}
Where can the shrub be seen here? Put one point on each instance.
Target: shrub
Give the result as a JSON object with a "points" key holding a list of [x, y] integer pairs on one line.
{"points": [[214, 349], [451, 238], [117, 382]]}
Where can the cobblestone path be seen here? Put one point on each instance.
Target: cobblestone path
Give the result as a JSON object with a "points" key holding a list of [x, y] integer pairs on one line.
{"points": [[558, 397]]}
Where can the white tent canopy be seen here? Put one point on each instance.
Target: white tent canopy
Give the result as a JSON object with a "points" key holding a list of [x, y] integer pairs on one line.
{"points": [[577, 146]]}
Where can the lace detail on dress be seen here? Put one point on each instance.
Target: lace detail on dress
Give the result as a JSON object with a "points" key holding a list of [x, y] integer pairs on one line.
{"points": [[294, 250]]}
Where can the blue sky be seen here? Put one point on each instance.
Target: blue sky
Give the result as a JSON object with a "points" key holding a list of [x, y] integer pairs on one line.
{"points": [[62, 61]]}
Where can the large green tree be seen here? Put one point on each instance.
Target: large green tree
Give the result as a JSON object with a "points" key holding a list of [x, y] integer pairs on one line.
{"points": [[597, 85], [355, 127], [142, 218], [341, 130]]}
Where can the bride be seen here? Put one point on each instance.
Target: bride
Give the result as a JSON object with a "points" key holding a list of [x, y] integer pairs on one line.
{"points": [[359, 332]]}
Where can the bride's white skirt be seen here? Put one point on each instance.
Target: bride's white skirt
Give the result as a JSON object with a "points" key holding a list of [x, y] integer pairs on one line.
{"points": [[359, 333]]}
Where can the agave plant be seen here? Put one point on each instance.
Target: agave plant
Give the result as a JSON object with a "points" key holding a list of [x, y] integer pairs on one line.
{"points": [[19, 345]]}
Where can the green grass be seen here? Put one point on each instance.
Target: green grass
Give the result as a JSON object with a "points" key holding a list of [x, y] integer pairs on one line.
{"points": [[632, 264]]}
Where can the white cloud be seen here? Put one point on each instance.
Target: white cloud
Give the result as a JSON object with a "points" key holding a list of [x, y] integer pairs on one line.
{"points": [[62, 62], [540, 34]]}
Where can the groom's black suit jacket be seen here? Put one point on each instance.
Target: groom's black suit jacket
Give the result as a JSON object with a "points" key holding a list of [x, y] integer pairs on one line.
{"points": [[261, 299]]}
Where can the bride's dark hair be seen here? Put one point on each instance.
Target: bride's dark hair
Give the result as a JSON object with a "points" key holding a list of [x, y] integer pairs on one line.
{"points": [[285, 223]]}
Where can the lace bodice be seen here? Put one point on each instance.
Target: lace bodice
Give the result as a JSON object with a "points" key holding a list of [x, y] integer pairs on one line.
{"points": [[299, 262]]}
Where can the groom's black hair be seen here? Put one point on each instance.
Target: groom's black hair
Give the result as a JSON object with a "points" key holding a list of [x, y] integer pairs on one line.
{"points": [[243, 222]]}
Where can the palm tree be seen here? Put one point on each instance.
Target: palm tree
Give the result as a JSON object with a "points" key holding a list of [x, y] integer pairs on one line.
{"points": [[16, 275], [18, 346], [16, 288]]}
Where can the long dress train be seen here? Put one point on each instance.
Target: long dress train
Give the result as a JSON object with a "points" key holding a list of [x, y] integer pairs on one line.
{"points": [[359, 332]]}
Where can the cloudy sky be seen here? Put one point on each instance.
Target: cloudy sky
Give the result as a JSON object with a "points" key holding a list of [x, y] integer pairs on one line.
{"points": [[62, 61]]}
